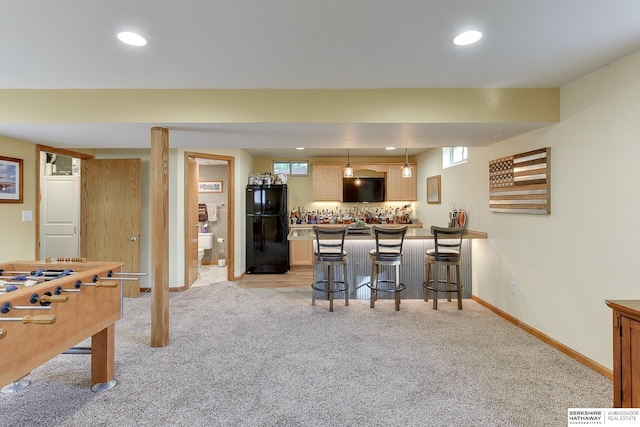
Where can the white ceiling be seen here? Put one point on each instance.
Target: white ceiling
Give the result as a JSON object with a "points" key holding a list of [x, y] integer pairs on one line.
{"points": [[227, 44]]}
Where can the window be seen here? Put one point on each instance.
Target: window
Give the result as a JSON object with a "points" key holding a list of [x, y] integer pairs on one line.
{"points": [[299, 168], [452, 156]]}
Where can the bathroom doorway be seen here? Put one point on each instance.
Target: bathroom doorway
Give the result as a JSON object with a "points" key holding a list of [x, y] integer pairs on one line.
{"points": [[208, 218]]}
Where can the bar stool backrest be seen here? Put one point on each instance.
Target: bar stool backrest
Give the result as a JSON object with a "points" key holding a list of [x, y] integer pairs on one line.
{"points": [[447, 242], [330, 242], [389, 241]]}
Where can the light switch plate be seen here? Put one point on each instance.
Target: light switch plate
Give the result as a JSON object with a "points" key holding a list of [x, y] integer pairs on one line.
{"points": [[27, 216]]}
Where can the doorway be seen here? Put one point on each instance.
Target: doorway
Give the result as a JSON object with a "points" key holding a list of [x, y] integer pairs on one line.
{"points": [[209, 186], [58, 208], [109, 224]]}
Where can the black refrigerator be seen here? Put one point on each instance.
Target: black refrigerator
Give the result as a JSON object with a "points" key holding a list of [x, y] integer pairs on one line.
{"points": [[267, 229]]}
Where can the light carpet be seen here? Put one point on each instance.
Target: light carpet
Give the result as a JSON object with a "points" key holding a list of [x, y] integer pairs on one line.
{"points": [[266, 357]]}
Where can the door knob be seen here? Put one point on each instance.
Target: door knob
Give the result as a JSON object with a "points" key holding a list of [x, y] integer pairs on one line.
{"points": [[133, 239]]}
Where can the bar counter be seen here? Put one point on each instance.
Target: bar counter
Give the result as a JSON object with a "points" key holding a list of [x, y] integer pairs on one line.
{"points": [[305, 232], [417, 241]]}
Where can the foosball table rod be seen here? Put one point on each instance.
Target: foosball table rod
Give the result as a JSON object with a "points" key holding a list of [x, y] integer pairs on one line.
{"points": [[21, 280], [79, 284], [47, 298], [7, 307], [42, 319], [40, 272], [110, 273], [8, 288], [97, 283]]}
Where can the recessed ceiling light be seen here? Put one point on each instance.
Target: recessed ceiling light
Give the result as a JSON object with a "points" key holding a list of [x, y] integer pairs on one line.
{"points": [[467, 38], [300, 148], [389, 148], [132, 39]]}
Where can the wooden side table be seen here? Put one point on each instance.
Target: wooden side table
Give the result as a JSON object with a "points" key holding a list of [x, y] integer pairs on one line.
{"points": [[626, 353]]}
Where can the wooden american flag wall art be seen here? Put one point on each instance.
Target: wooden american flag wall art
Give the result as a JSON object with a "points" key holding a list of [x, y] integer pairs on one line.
{"points": [[521, 183]]}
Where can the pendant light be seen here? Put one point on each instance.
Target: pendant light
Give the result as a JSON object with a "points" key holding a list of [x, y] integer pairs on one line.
{"points": [[348, 170], [406, 169]]}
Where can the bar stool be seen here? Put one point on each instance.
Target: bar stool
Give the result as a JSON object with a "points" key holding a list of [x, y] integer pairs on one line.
{"points": [[329, 252], [446, 252], [388, 252]]}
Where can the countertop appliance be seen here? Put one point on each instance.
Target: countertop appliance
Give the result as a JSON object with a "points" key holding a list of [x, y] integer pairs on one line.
{"points": [[267, 229]]}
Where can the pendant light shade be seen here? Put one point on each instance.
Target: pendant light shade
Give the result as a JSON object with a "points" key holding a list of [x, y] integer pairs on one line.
{"points": [[348, 169], [406, 169]]}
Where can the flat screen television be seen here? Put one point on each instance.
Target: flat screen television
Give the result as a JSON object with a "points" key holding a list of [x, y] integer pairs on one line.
{"points": [[363, 190]]}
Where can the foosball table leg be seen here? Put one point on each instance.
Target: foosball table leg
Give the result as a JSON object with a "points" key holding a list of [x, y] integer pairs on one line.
{"points": [[102, 360], [15, 386]]}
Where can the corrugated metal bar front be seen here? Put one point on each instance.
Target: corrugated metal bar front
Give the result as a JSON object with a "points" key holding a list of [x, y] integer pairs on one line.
{"points": [[412, 269]]}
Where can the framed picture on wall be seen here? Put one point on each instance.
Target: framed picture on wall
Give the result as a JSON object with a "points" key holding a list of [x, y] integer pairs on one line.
{"points": [[433, 189], [10, 180], [210, 187]]}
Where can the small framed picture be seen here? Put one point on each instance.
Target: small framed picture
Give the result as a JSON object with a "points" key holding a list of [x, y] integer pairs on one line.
{"points": [[210, 187], [10, 180], [433, 190]]}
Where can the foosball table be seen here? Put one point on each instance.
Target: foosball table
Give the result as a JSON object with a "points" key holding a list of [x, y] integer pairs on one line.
{"points": [[48, 307]]}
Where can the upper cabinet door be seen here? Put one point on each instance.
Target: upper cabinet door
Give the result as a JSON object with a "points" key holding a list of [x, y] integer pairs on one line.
{"points": [[327, 183], [401, 189]]}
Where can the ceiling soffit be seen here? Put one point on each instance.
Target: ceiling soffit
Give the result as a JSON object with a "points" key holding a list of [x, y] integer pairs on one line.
{"points": [[282, 106]]}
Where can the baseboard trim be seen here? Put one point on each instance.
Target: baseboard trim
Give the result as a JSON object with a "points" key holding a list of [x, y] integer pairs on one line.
{"points": [[171, 289], [578, 357]]}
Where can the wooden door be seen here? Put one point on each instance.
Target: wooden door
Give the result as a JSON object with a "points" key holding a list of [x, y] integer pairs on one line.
{"points": [[111, 204], [60, 217], [191, 222]]}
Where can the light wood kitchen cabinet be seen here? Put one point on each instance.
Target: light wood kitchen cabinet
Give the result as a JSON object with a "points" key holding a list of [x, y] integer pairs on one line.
{"points": [[399, 188], [301, 253], [327, 182], [626, 353]]}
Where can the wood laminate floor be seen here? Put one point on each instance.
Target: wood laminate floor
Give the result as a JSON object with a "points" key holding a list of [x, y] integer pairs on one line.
{"points": [[291, 279]]}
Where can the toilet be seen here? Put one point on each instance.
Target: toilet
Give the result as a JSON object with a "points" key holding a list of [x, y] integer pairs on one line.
{"points": [[205, 242]]}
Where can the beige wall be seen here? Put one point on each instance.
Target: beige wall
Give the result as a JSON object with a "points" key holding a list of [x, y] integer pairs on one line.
{"points": [[300, 188], [18, 237], [567, 264]]}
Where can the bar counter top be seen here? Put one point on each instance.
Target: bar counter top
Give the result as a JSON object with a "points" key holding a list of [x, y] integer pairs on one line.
{"points": [[306, 233], [410, 225]]}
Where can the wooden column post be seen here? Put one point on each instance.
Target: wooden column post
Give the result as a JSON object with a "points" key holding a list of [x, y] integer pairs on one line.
{"points": [[159, 237]]}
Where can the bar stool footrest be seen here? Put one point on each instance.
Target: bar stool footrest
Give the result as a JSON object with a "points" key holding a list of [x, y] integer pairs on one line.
{"points": [[341, 288], [401, 287], [455, 286]]}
